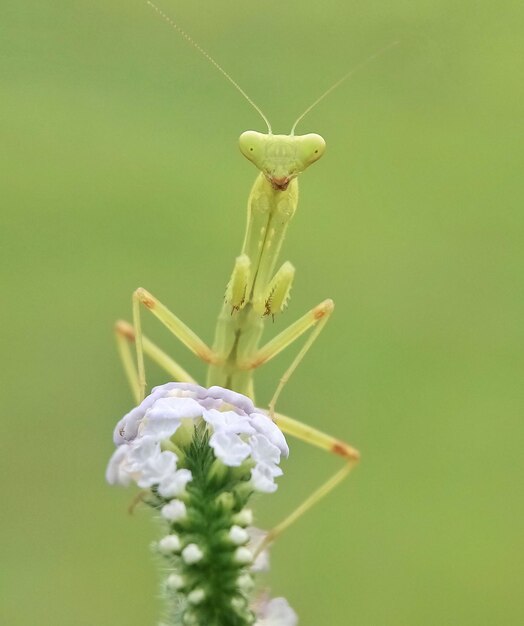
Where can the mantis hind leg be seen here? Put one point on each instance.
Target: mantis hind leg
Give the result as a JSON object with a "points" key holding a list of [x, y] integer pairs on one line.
{"points": [[125, 337], [320, 440]]}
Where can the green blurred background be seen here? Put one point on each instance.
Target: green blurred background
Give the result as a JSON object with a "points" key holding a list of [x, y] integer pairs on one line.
{"points": [[119, 168]]}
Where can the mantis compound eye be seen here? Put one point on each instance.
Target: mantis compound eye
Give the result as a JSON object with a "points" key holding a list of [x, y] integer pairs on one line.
{"points": [[311, 148], [250, 144]]}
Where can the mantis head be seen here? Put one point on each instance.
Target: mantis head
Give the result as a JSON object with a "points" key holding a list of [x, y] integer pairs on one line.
{"points": [[281, 157]]}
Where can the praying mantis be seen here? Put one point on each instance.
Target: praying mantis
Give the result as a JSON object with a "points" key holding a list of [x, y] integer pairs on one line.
{"points": [[256, 292]]}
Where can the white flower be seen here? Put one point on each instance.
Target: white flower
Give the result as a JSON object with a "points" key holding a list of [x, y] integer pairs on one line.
{"points": [[262, 477], [127, 428], [169, 543], [116, 472], [196, 596], [238, 535], [256, 538], [160, 466], [229, 448], [192, 554], [174, 511], [141, 461], [162, 420], [266, 426], [174, 484], [175, 582], [267, 446], [276, 612], [244, 517], [243, 556], [229, 422], [245, 582], [263, 450], [238, 433], [141, 452], [238, 603], [176, 443]]}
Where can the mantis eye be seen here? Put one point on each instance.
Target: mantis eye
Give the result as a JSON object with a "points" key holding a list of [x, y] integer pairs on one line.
{"points": [[312, 147], [249, 143]]}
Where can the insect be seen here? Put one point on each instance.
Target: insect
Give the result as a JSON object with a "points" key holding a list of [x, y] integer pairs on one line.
{"points": [[256, 292]]}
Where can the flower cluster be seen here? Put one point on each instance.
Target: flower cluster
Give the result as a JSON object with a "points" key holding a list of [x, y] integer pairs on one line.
{"points": [[238, 434], [200, 454]]}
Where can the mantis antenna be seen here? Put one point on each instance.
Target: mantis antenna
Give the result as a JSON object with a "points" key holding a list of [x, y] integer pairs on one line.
{"points": [[189, 39], [341, 80]]}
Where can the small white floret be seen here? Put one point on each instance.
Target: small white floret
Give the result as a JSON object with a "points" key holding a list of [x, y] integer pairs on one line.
{"points": [[117, 472], [239, 604], [245, 583], [238, 535], [243, 556], [174, 484], [244, 517], [164, 417], [141, 452], [196, 596], [262, 477], [265, 426], [263, 450], [157, 468], [229, 422], [229, 448], [192, 554], [127, 428], [174, 511], [175, 582], [169, 544]]}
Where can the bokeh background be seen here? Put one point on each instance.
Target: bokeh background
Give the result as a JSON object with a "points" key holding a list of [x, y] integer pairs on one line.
{"points": [[119, 168]]}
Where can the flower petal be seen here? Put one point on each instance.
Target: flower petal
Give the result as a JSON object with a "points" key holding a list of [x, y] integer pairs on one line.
{"points": [[229, 448], [175, 484], [174, 511], [262, 476], [236, 400], [157, 469], [277, 612], [267, 427], [228, 421], [263, 450], [116, 472], [164, 417]]}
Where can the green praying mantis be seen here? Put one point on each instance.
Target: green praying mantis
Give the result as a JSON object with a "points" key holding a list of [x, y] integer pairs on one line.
{"points": [[255, 292]]}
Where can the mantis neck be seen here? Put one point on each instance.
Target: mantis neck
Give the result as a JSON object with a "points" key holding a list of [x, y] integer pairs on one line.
{"points": [[241, 320]]}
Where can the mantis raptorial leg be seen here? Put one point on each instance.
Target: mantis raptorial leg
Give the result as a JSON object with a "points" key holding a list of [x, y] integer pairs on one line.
{"points": [[256, 290]]}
